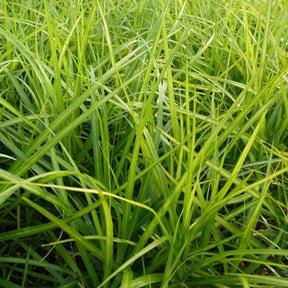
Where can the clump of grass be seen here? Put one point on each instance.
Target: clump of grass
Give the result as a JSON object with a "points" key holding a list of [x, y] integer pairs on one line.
{"points": [[143, 144]]}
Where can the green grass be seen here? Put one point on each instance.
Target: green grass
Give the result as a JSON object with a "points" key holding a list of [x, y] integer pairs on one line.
{"points": [[143, 143]]}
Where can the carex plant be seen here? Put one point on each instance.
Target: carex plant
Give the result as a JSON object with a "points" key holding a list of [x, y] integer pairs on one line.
{"points": [[143, 143]]}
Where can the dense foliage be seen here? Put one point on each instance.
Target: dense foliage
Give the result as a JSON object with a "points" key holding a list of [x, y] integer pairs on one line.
{"points": [[143, 143]]}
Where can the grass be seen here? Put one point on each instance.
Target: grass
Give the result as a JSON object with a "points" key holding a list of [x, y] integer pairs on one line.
{"points": [[143, 143]]}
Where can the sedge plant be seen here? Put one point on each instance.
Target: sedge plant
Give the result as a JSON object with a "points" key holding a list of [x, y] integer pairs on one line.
{"points": [[143, 143]]}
